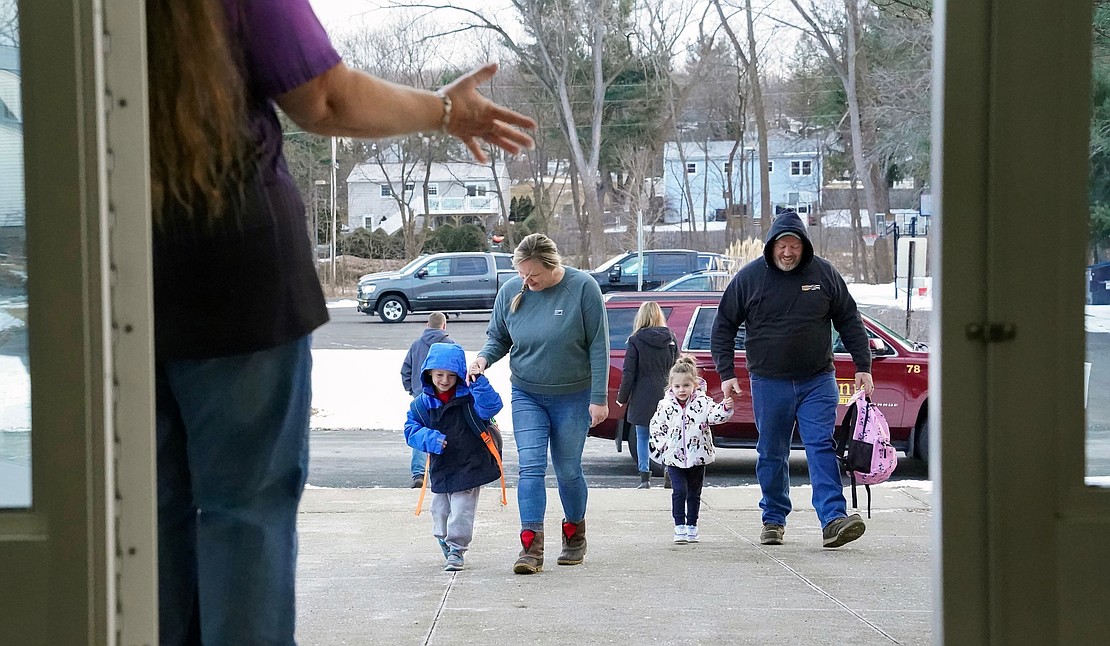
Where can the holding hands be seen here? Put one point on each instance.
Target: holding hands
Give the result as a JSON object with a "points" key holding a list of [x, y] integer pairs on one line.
{"points": [[477, 367]]}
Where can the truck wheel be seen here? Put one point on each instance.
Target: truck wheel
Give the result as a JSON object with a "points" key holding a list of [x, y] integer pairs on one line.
{"points": [[392, 309], [921, 439]]}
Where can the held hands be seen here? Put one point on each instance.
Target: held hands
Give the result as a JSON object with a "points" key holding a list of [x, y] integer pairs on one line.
{"points": [[477, 367], [730, 387], [727, 403], [598, 413], [864, 382], [474, 117]]}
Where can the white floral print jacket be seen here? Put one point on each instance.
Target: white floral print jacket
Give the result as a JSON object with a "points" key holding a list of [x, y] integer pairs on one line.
{"points": [[680, 435]]}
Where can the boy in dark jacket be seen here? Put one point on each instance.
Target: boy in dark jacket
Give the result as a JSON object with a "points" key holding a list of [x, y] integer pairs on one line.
{"points": [[461, 463]]}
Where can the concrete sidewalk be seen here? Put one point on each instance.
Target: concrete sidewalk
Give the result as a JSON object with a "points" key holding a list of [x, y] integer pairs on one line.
{"points": [[370, 573]]}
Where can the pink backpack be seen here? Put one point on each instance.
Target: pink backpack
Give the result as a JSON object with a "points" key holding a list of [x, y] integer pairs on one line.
{"points": [[863, 446]]}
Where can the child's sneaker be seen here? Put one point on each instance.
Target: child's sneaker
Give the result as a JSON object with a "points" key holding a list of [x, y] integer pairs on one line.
{"points": [[454, 562], [443, 546], [691, 533], [680, 534]]}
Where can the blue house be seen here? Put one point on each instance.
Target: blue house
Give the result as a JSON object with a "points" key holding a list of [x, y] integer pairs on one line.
{"points": [[696, 177]]}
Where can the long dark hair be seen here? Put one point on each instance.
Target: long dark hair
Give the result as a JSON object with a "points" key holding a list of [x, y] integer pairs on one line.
{"points": [[199, 143]]}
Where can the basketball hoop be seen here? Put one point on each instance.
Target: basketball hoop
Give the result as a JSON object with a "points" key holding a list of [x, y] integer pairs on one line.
{"points": [[869, 239]]}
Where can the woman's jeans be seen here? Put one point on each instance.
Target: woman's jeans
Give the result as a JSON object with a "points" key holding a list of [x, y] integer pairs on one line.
{"points": [[232, 460], [812, 402], [686, 487], [643, 451], [560, 422]]}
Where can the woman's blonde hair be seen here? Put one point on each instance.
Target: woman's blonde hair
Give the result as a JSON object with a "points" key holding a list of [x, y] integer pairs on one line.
{"points": [[536, 247], [199, 136], [649, 315], [685, 367]]}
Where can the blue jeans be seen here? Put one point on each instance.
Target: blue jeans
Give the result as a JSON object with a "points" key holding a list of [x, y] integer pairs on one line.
{"points": [[561, 422], [418, 462], [232, 437], [643, 451], [812, 403]]}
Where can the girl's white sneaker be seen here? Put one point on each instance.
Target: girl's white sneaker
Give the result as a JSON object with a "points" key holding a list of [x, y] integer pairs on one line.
{"points": [[680, 534], [691, 533]]}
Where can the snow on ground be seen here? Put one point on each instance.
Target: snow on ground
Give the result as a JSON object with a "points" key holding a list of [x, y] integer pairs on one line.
{"points": [[15, 394], [342, 304], [887, 296]]}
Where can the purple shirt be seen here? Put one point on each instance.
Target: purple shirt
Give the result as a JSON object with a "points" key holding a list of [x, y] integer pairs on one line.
{"points": [[283, 46], [247, 282]]}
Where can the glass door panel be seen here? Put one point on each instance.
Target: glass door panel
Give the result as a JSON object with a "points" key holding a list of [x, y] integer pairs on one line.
{"points": [[15, 383]]}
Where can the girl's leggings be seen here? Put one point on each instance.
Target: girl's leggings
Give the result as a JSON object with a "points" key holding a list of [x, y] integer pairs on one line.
{"points": [[686, 493]]}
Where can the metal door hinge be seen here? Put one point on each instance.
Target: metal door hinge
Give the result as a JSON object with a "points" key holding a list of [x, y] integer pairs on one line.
{"points": [[990, 332]]}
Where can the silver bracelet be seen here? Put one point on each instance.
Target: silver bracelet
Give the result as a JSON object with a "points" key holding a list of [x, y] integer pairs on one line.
{"points": [[446, 110]]}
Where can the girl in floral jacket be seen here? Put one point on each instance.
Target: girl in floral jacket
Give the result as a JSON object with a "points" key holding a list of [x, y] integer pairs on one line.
{"points": [[681, 440]]}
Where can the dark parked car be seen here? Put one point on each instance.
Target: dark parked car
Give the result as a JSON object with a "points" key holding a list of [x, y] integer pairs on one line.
{"points": [[900, 369], [701, 281], [621, 272]]}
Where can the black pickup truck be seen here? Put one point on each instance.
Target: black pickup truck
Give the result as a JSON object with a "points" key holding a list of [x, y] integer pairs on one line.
{"points": [[444, 282], [620, 273]]}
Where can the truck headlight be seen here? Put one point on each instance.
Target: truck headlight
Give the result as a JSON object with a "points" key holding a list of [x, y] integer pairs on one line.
{"points": [[366, 290]]}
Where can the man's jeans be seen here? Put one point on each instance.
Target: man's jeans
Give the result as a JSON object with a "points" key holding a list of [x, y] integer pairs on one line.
{"points": [[418, 462], [812, 402], [232, 460], [643, 450], [561, 422]]}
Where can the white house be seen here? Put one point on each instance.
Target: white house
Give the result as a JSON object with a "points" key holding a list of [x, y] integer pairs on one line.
{"points": [[457, 192], [702, 169], [12, 208]]}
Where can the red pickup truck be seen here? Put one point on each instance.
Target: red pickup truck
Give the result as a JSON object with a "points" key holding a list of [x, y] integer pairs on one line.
{"points": [[900, 369]]}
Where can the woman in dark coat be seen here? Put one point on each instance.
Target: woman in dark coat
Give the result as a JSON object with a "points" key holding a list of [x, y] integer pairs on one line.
{"points": [[652, 350]]}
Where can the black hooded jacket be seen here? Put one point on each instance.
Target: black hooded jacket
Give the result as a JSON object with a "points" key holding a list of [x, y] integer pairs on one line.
{"points": [[786, 314], [647, 363]]}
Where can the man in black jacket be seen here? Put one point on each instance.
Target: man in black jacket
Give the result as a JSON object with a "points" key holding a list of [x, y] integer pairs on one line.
{"points": [[785, 301], [411, 378]]}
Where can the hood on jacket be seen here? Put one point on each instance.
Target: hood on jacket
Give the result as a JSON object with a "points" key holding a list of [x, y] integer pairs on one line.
{"points": [[787, 222], [659, 337], [434, 335], [445, 356]]}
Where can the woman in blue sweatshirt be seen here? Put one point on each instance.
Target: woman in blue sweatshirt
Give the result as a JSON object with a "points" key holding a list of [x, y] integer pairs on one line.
{"points": [[551, 322]]}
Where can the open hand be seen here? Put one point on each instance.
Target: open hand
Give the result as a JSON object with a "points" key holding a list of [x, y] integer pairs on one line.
{"points": [[474, 117]]}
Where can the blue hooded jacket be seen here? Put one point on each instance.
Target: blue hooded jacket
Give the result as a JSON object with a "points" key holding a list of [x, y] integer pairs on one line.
{"points": [[465, 462]]}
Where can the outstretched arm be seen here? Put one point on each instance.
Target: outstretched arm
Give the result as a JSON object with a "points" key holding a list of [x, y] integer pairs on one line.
{"points": [[350, 103], [487, 402]]}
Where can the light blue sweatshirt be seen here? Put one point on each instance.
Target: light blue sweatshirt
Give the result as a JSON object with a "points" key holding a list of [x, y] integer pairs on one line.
{"points": [[559, 337]]}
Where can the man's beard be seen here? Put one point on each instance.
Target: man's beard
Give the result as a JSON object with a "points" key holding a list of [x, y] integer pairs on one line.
{"points": [[784, 267]]}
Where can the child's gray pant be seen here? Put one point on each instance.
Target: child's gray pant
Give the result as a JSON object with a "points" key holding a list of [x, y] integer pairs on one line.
{"points": [[453, 517]]}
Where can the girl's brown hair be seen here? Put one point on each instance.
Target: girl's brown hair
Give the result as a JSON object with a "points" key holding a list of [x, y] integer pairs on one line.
{"points": [[649, 315], [536, 247], [685, 367], [199, 142]]}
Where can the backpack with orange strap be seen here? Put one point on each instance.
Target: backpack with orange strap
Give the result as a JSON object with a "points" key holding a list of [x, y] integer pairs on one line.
{"points": [[489, 433]]}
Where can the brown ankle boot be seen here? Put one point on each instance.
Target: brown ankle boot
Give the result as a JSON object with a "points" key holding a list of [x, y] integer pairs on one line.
{"points": [[530, 560], [574, 542]]}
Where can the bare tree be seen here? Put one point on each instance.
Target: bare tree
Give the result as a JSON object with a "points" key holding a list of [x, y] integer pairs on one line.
{"points": [[850, 63], [747, 53], [9, 23]]}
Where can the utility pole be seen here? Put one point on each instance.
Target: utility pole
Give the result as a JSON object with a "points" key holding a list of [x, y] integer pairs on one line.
{"points": [[334, 226], [316, 223]]}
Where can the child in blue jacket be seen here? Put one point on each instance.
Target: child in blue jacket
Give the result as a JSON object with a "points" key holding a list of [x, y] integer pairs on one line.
{"points": [[460, 461]]}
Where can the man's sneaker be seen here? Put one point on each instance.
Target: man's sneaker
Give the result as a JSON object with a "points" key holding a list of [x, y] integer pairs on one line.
{"points": [[680, 534], [417, 482], [772, 534], [691, 533], [443, 546], [454, 562], [843, 530]]}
